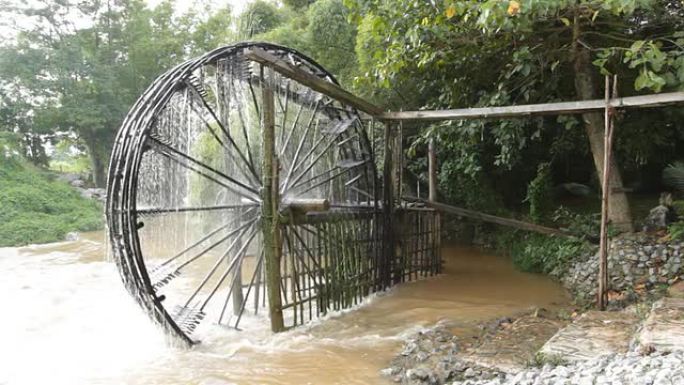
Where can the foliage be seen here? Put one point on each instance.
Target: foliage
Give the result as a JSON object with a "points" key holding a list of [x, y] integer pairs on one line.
{"points": [[539, 193], [469, 53], [258, 17], [583, 225], [69, 155], [36, 209], [297, 4], [679, 207], [537, 253], [676, 230], [63, 78], [673, 176]]}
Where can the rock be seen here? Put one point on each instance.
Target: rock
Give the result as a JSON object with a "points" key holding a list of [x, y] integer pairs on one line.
{"points": [[658, 218], [418, 374], [676, 290], [576, 189], [94, 193], [68, 177], [617, 369], [470, 373], [77, 183], [72, 236]]}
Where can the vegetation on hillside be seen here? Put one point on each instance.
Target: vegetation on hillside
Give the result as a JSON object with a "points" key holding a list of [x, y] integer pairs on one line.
{"points": [[37, 208]]}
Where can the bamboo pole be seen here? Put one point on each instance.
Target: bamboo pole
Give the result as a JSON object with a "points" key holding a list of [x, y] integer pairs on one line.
{"points": [[432, 172], [605, 198], [528, 110], [270, 225], [493, 218], [387, 206]]}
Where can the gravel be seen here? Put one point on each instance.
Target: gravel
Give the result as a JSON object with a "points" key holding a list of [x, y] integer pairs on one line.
{"points": [[618, 369]]}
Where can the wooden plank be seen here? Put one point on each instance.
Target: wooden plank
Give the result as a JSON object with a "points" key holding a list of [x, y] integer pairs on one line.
{"points": [[311, 81], [527, 110], [492, 218]]}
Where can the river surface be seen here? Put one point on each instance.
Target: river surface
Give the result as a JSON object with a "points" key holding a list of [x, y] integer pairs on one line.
{"points": [[66, 319]]}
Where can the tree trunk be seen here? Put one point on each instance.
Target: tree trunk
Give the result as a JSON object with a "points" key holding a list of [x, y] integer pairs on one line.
{"points": [[619, 214], [98, 160]]}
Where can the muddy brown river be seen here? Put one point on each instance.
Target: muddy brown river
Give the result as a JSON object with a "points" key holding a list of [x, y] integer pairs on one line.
{"points": [[66, 319]]}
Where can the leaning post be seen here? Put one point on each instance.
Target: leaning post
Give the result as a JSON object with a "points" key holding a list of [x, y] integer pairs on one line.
{"points": [[388, 255], [270, 225], [432, 198], [605, 197], [432, 171]]}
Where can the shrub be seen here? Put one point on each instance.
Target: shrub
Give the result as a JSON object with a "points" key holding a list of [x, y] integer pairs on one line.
{"points": [[37, 209], [538, 253], [539, 194]]}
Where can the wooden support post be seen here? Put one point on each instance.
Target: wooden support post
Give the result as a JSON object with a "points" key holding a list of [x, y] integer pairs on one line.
{"points": [[269, 209], [398, 162], [432, 198], [602, 297], [388, 254], [432, 171]]}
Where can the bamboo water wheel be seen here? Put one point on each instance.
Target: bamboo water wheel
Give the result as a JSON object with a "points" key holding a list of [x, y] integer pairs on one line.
{"points": [[208, 156]]}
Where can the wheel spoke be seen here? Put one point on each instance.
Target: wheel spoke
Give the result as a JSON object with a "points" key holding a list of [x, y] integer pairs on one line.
{"points": [[174, 154], [207, 176], [301, 144], [204, 238], [311, 164], [166, 271], [234, 262], [192, 209], [289, 135], [243, 123], [223, 129], [336, 130], [284, 108]]}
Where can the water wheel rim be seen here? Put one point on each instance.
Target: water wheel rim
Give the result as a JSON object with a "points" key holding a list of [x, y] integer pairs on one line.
{"points": [[125, 163]]}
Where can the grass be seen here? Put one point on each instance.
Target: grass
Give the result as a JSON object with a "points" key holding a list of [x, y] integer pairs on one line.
{"points": [[36, 208]]}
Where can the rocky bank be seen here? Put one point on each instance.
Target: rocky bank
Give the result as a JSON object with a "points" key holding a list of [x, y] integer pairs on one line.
{"points": [[637, 263]]}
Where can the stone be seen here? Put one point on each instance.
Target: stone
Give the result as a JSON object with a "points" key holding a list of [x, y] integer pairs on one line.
{"points": [[418, 374], [676, 290], [664, 328], [658, 218], [77, 183], [592, 335], [72, 236], [470, 373]]}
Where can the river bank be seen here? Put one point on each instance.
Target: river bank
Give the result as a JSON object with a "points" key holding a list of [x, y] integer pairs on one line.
{"points": [[641, 344]]}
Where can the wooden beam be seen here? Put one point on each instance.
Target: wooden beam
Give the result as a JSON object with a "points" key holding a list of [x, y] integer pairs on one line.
{"points": [[312, 81], [527, 110], [492, 218], [270, 227]]}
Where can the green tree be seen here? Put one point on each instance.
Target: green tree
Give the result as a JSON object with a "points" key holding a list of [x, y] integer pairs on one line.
{"points": [[258, 17], [476, 53], [84, 79]]}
